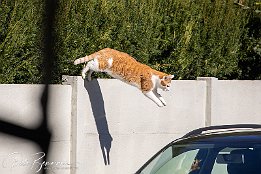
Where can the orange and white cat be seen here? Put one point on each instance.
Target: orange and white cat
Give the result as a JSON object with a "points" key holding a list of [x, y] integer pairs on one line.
{"points": [[122, 66]]}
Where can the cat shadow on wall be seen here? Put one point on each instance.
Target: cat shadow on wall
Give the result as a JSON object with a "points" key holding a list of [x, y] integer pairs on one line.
{"points": [[98, 109]]}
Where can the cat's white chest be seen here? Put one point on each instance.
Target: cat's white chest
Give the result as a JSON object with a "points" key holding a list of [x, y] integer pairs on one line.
{"points": [[155, 80]]}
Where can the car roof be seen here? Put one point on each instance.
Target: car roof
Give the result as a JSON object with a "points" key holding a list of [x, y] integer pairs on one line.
{"points": [[241, 131], [224, 129]]}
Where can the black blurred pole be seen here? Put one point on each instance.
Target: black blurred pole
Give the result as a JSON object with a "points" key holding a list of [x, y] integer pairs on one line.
{"points": [[40, 135], [48, 41], [48, 67]]}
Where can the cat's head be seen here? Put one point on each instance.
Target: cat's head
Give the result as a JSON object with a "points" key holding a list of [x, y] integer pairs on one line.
{"points": [[165, 82]]}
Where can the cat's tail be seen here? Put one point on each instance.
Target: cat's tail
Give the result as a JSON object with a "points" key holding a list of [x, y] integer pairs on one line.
{"points": [[83, 59]]}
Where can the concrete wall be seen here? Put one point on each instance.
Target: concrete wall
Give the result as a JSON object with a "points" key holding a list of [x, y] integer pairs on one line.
{"points": [[118, 128], [106, 126], [236, 101], [20, 105]]}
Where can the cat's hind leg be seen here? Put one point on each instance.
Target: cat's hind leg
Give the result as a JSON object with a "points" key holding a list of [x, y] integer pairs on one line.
{"points": [[90, 67], [154, 98], [84, 71]]}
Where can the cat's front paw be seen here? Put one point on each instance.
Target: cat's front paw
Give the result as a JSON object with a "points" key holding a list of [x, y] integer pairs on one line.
{"points": [[164, 103], [161, 104]]}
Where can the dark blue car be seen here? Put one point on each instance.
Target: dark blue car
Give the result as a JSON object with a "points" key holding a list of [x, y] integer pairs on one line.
{"points": [[226, 149]]}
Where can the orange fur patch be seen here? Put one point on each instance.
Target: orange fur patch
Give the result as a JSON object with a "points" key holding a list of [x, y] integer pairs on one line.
{"points": [[127, 68]]}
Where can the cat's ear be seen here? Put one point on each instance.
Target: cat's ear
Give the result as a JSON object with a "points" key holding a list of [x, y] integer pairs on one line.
{"points": [[169, 77]]}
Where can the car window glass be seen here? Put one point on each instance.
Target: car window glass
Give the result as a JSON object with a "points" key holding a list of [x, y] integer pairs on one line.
{"points": [[165, 163], [226, 157], [180, 164], [158, 161], [218, 155]]}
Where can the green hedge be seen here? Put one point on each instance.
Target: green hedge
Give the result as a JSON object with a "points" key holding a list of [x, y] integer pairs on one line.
{"points": [[185, 38], [20, 58]]}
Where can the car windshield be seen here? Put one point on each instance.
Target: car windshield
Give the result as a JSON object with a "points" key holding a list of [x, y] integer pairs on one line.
{"points": [[222, 155]]}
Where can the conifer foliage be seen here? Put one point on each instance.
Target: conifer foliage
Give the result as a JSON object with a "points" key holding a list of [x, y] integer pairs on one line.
{"points": [[182, 37]]}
